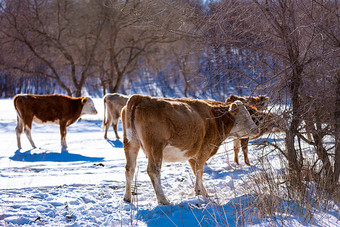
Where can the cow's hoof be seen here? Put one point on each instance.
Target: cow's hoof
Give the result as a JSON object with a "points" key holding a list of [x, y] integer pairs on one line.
{"points": [[165, 203], [247, 161], [64, 150], [128, 200]]}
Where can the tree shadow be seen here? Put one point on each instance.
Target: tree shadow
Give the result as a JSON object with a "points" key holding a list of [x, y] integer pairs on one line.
{"points": [[115, 143], [64, 156], [263, 140]]}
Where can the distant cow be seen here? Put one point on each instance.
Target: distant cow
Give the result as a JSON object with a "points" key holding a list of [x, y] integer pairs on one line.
{"points": [[260, 102], [113, 104], [52, 109], [173, 130], [266, 122]]}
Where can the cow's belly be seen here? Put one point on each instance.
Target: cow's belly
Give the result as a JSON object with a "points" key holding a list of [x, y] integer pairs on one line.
{"points": [[174, 154], [39, 121]]}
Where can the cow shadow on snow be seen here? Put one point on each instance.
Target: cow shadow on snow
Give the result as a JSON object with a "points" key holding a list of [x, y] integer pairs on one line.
{"points": [[64, 156], [235, 173], [236, 212], [115, 143]]}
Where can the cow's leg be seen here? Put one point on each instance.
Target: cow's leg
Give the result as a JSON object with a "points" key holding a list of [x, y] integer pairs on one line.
{"points": [[107, 124], [244, 144], [18, 131], [27, 130], [63, 135], [308, 129], [114, 125], [154, 172], [131, 149], [115, 119], [236, 150], [197, 167]]}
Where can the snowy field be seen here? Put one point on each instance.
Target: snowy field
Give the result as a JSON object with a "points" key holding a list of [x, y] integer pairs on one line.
{"points": [[85, 186]]}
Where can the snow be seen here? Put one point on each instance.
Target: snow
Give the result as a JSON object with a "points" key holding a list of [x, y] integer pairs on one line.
{"points": [[85, 186]]}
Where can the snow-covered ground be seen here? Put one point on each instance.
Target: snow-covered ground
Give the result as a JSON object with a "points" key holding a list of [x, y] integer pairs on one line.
{"points": [[85, 186]]}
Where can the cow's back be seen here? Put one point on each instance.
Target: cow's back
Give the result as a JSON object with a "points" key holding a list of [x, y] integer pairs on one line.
{"points": [[114, 103], [48, 108], [180, 123]]}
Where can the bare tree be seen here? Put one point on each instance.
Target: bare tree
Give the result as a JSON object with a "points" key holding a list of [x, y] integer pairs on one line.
{"points": [[297, 44], [326, 17], [55, 39], [132, 28]]}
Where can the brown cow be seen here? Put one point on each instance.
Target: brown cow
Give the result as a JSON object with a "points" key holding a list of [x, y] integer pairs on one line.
{"points": [[260, 102], [173, 130], [266, 122], [53, 109], [113, 105]]}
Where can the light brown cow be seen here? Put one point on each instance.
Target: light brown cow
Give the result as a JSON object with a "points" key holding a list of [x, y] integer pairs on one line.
{"points": [[173, 130], [113, 104], [260, 102], [53, 109]]}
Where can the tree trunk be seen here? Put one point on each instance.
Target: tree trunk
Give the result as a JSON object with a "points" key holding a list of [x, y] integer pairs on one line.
{"points": [[318, 135], [118, 83], [294, 168], [337, 132]]}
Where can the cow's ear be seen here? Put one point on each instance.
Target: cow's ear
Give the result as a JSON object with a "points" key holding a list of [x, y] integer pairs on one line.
{"points": [[233, 108], [264, 98], [83, 100]]}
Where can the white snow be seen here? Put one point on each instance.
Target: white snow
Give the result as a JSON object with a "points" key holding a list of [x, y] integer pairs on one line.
{"points": [[85, 186]]}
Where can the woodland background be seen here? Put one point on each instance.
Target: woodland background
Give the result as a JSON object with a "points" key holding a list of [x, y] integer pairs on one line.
{"points": [[288, 50]]}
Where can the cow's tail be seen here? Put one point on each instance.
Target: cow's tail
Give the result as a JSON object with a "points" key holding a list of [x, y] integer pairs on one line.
{"points": [[131, 106], [105, 118], [15, 102], [17, 99]]}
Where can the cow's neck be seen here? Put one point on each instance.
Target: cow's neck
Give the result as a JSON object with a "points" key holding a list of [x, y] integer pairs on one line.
{"points": [[224, 121]]}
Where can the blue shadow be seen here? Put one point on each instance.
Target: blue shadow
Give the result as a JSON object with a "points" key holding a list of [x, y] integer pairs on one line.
{"points": [[64, 156], [115, 143], [222, 173], [261, 140], [197, 212]]}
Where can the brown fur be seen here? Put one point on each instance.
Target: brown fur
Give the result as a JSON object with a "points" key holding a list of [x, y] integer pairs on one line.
{"points": [[113, 105], [260, 102], [176, 130], [62, 110]]}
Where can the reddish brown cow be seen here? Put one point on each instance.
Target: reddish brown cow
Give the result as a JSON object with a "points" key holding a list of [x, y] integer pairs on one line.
{"points": [[260, 102], [173, 130], [53, 109], [113, 105]]}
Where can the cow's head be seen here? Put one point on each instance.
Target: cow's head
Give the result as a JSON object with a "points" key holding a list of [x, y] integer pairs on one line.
{"points": [[88, 107], [244, 125], [259, 102]]}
